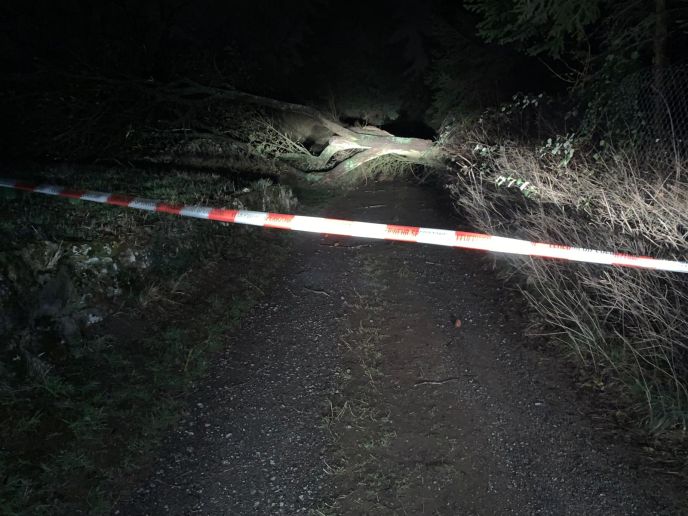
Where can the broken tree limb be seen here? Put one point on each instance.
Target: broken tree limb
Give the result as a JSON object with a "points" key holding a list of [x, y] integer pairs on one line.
{"points": [[371, 141], [157, 122], [412, 149], [193, 91]]}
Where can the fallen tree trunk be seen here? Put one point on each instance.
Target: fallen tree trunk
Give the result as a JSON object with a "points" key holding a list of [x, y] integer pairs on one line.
{"points": [[128, 119], [359, 145]]}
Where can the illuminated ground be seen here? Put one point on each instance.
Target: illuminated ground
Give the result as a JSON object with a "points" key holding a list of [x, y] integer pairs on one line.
{"points": [[350, 390]]}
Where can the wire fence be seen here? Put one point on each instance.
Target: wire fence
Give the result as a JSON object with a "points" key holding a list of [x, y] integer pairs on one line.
{"points": [[649, 113]]}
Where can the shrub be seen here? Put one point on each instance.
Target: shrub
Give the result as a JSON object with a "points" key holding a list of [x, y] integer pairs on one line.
{"points": [[627, 326]]}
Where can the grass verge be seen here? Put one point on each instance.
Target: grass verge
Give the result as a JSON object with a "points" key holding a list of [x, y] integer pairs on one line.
{"points": [[626, 328], [108, 316]]}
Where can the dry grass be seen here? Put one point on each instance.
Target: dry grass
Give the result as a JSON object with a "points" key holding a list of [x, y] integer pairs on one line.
{"points": [[627, 326], [385, 168], [266, 138]]}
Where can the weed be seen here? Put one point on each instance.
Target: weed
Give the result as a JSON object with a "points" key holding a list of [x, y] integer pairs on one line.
{"points": [[77, 422], [387, 167], [626, 327]]}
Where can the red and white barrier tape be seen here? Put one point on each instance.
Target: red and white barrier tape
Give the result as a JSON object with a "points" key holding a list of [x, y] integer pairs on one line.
{"points": [[362, 229]]}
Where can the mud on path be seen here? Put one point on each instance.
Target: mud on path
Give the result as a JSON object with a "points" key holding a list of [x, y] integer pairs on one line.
{"points": [[349, 390]]}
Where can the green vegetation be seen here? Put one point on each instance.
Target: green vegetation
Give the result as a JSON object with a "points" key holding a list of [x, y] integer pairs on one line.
{"points": [[104, 314], [602, 166], [581, 48], [626, 327], [108, 316]]}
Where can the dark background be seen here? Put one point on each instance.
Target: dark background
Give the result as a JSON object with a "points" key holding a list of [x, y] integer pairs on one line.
{"points": [[404, 65], [372, 61]]}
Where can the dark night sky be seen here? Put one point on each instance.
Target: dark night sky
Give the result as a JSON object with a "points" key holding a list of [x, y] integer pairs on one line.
{"points": [[168, 37]]}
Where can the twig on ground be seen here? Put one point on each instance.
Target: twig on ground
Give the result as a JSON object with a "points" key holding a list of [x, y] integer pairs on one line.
{"points": [[315, 291], [436, 382], [360, 246], [253, 285]]}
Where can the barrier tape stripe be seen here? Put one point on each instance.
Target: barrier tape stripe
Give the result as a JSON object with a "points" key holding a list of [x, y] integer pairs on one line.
{"points": [[420, 235]]}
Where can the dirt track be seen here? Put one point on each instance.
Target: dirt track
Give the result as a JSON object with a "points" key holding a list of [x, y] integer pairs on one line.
{"points": [[350, 391]]}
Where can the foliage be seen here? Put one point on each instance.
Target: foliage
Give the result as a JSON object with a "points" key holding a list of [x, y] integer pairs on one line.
{"points": [[465, 74], [590, 45], [537, 27], [561, 149], [647, 112], [624, 327], [592, 35], [109, 322]]}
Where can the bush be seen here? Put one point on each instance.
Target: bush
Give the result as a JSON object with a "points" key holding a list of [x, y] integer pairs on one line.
{"points": [[107, 316], [626, 326]]}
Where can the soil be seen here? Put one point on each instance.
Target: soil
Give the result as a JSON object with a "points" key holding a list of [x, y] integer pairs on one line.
{"points": [[391, 378]]}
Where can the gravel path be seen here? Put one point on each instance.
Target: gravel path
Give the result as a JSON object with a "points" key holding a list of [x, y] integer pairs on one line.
{"points": [[349, 390]]}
